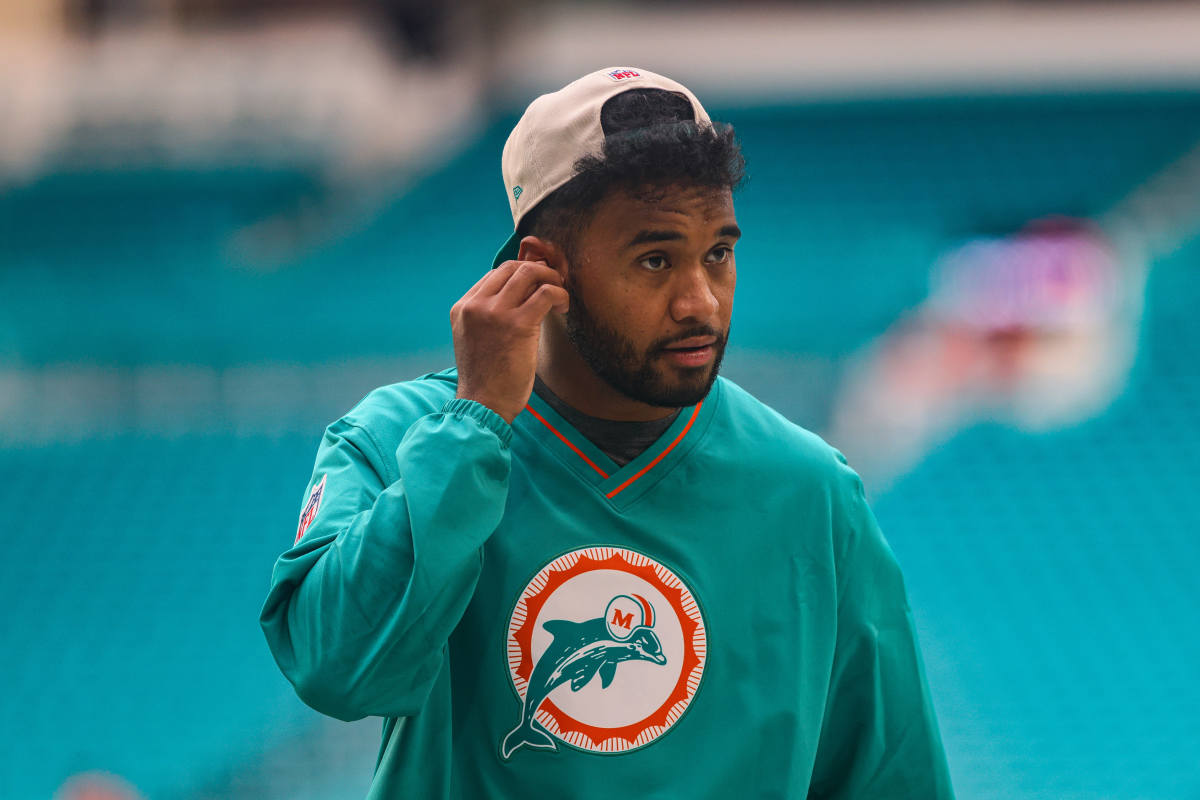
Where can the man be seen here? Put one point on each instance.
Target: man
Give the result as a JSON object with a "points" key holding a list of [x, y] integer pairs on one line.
{"points": [[582, 565]]}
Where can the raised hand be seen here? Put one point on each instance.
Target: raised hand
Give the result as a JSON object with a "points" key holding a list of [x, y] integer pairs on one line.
{"points": [[497, 325]]}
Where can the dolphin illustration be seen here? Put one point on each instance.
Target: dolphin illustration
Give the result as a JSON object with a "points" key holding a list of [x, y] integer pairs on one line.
{"points": [[578, 652]]}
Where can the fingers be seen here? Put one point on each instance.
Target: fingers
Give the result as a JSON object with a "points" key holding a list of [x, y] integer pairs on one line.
{"points": [[497, 280], [493, 281], [545, 298], [497, 330], [528, 290], [525, 279]]}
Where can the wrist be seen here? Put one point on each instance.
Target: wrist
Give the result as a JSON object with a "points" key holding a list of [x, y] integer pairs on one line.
{"points": [[465, 408], [504, 410]]}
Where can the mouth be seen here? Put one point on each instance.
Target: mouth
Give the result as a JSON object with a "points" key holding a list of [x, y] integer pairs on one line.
{"points": [[695, 351]]}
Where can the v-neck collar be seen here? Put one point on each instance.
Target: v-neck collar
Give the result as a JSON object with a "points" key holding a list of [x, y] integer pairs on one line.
{"points": [[620, 485]]}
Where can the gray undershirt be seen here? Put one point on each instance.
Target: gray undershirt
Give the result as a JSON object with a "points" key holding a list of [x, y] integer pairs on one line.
{"points": [[619, 440]]}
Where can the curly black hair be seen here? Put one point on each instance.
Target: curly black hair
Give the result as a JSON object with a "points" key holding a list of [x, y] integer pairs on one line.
{"points": [[651, 142]]}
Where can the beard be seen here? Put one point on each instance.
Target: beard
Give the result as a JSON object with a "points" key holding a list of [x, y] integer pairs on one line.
{"points": [[643, 376]]}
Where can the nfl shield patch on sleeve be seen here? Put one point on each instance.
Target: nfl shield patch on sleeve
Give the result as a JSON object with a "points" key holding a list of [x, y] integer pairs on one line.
{"points": [[310, 508]]}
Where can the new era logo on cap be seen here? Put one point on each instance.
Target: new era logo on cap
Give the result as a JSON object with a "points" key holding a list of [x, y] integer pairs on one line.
{"points": [[624, 74]]}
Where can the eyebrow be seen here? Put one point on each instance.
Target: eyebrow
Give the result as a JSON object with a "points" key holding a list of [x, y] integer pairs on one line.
{"points": [[645, 237], [650, 236]]}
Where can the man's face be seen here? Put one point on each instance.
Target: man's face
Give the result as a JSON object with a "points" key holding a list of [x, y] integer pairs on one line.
{"points": [[651, 283]]}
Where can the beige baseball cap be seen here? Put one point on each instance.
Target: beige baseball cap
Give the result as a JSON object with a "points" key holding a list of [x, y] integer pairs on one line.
{"points": [[562, 127]]}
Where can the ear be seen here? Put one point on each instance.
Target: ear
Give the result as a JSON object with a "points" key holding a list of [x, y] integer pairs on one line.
{"points": [[534, 248]]}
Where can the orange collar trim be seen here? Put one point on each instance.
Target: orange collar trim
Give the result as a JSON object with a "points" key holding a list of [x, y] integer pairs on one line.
{"points": [[602, 473], [567, 442], [659, 457]]}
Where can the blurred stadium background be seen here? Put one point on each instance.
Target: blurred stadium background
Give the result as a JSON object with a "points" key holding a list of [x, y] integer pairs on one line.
{"points": [[972, 261]]}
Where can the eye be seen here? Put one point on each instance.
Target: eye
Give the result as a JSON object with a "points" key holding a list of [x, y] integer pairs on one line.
{"points": [[720, 254], [654, 263]]}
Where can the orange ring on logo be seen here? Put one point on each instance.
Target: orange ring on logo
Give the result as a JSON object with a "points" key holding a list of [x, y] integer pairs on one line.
{"points": [[520, 647]]}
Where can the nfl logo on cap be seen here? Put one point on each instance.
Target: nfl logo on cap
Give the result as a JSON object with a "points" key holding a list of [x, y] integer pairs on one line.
{"points": [[624, 74]]}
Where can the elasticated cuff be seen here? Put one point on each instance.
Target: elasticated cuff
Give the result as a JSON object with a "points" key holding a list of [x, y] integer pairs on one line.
{"points": [[484, 416]]}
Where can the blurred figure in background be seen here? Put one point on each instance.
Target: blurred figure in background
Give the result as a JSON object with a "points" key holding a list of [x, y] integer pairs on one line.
{"points": [[1036, 329]]}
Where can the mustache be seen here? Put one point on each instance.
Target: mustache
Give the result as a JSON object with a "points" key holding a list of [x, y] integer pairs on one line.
{"points": [[703, 330]]}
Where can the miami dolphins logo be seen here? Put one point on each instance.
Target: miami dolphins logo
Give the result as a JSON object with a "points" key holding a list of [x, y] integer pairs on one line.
{"points": [[648, 665]]}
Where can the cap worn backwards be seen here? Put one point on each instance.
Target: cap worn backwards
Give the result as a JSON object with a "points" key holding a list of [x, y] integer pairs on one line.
{"points": [[558, 129]]}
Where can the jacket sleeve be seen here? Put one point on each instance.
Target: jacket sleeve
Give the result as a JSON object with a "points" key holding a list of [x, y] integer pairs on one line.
{"points": [[360, 609], [879, 736]]}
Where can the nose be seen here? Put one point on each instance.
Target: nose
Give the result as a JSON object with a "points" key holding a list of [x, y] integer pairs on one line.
{"points": [[694, 299]]}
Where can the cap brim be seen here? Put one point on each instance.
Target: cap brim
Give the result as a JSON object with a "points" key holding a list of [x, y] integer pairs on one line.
{"points": [[508, 251]]}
